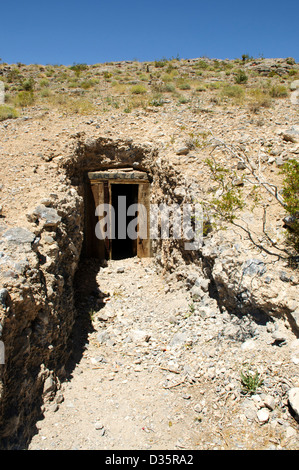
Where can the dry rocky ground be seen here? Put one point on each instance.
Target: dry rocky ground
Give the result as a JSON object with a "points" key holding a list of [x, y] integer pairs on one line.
{"points": [[157, 359], [159, 371]]}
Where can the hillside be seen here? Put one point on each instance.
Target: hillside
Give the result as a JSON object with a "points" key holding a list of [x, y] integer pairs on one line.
{"points": [[236, 296]]}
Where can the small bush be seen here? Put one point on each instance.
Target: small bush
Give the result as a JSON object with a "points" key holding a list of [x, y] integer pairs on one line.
{"points": [[201, 64], [28, 84], [183, 100], [24, 99], [81, 106], [184, 86], [291, 197], [107, 75], [160, 63], [233, 91], [258, 99], [138, 90], [278, 91], [45, 93], [13, 76], [44, 82], [241, 77], [246, 57], [78, 68], [86, 84], [157, 100], [250, 381], [7, 112]]}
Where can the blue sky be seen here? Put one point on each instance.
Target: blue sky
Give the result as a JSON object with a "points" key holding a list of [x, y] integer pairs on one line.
{"points": [[94, 31]]}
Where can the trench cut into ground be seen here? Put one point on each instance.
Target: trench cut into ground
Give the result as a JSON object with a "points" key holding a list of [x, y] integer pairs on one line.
{"points": [[117, 222]]}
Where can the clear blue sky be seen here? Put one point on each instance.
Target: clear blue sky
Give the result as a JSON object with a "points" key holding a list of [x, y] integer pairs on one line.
{"points": [[92, 31]]}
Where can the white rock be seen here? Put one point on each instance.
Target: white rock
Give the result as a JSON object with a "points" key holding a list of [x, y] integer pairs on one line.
{"points": [[294, 85], [290, 432], [263, 415], [249, 344], [269, 402], [139, 336]]}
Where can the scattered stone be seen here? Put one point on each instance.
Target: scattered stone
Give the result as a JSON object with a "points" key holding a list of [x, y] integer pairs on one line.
{"points": [[283, 277], [198, 408], [254, 266], [103, 336], [19, 235], [263, 415], [241, 166], [47, 215], [140, 336], [49, 385], [269, 402], [279, 337], [178, 339], [183, 151], [291, 135], [293, 397], [3, 296]]}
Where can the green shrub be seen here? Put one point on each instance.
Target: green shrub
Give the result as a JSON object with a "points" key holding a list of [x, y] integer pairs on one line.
{"points": [[138, 90], [24, 99], [250, 381], [44, 82], [169, 88], [241, 77], [13, 76], [201, 64], [45, 93], [233, 91], [78, 68], [291, 198], [157, 100], [246, 57], [107, 75], [183, 100], [184, 86], [28, 84], [7, 112], [258, 99], [86, 84], [278, 91], [160, 63]]}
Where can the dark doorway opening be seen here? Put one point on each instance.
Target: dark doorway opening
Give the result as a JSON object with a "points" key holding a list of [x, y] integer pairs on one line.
{"points": [[122, 197]]}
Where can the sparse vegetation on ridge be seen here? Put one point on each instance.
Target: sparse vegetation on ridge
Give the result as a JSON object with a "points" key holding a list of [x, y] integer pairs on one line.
{"points": [[230, 82]]}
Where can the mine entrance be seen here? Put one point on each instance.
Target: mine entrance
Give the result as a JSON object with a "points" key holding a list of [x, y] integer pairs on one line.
{"points": [[123, 196], [118, 199]]}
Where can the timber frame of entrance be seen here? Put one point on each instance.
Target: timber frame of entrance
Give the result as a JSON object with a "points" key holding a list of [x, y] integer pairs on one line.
{"points": [[101, 185]]}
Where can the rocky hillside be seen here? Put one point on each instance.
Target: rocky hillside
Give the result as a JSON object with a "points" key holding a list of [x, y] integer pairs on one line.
{"points": [[169, 118]]}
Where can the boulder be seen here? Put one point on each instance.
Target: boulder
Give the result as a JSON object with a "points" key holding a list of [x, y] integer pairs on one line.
{"points": [[294, 85], [48, 216], [291, 135]]}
